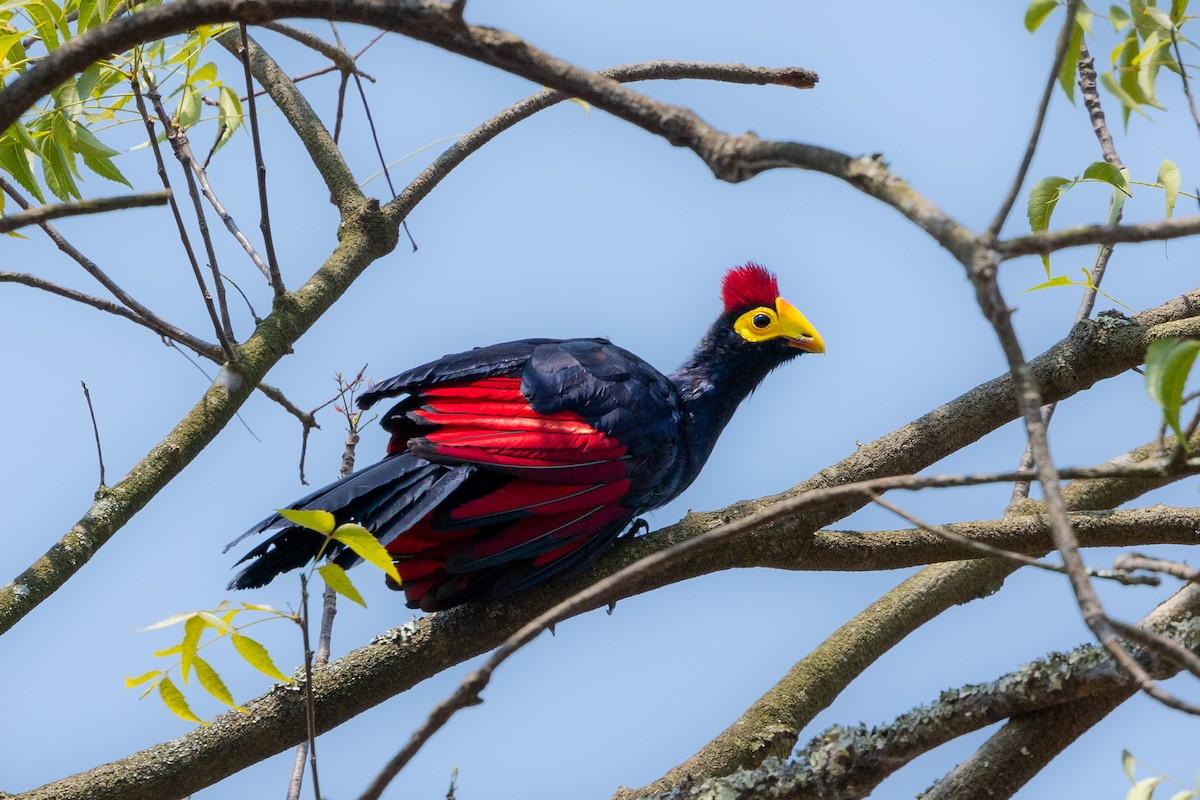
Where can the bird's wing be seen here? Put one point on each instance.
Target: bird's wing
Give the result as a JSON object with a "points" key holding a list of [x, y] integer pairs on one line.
{"points": [[560, 436]]}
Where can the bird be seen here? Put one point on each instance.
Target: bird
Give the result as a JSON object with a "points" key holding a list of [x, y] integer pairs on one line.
{"points": [[518, 462]]}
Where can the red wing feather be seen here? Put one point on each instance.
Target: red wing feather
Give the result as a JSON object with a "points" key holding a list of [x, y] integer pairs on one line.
{"points": [[567, 481]]}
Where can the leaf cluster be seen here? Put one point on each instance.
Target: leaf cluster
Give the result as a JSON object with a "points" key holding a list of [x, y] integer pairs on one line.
{"points": [[55, 145], [221, 623], [1149, 39]]}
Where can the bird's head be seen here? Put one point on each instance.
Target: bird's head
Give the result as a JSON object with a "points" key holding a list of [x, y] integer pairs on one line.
{"points": [[758, 320]]}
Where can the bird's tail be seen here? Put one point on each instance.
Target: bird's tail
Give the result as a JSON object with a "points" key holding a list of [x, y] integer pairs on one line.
{"points": [[387, 498]]}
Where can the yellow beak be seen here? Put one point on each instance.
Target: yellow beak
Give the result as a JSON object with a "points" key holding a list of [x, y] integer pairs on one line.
{"points": [[798, 330]]}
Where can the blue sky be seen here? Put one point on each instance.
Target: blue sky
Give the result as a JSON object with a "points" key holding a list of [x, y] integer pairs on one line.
{"points": [[576, 224]]}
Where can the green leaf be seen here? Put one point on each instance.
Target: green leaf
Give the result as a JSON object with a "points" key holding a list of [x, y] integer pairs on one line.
{"points": [[6, 43], [1143, 789], [1066, 71], [1148, 60], [1042, 198], [1107, 173], [1168, 362], [86, 83], [171, 695], [1037, 12], [258, 657], [1119, 17], [187, 648], [140, 679], [337, 579], [1160, 18], [264, 608], [174, 619], [105, 168], [43, 21], [207, 73], [87, 10], [1128, 102], [319, 521], [86, 142], [212, 620], [229, 115], [170, 651], [14, 159], [1168, 178], [367, 547], [1058, 280], [189, 108], [212, 682], [1127, 764], [1178, 12], [1186, 794]]}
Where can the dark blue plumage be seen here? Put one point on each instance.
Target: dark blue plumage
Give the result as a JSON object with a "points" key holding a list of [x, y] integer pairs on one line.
{"points": [[512, 463]]}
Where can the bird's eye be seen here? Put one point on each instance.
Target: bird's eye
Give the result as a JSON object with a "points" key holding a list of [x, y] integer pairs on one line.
{"points": [[761, 321]]}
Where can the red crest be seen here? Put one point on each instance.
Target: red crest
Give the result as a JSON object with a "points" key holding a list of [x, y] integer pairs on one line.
{"points": [[749, 285]]}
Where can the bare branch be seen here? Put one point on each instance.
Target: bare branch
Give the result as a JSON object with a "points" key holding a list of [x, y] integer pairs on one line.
{"points": [[1060, 52], [138, 312], [984, 549], [260, 166], [222, 335], [201, 347], [1137, 561], [177, 137], [1052, 241], [97, 205], [95, 430], [322, 149]]}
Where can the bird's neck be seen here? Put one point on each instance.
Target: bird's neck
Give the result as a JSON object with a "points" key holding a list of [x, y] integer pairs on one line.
{"points": [[711, 384]]}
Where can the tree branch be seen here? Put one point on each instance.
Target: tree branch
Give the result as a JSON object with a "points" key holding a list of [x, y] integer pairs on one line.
{"points": [[845, 763], [97, 205], [365, 238], [144, 316], [1095, 350], [1051, 241], [1028, 742], [322, 149]]}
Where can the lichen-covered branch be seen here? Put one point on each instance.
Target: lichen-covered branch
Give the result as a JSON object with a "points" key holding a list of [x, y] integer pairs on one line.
{"points": [[849, 762]]}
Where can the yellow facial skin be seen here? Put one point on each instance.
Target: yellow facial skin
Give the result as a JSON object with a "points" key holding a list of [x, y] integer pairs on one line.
{"points": [[782, 322]]}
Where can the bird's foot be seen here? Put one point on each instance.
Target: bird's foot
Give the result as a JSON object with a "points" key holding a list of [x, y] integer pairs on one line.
{"points": [[639, 526]]}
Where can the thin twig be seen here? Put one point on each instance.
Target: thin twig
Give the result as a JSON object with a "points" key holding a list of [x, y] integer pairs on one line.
{"points": [[97, 205], [95, 430], [222, 338], [362, 94], [140, 314], [985, 549], [1136, 561], [310, 707], [1046, 242], [178, 139], [1091, 101], [1187, 90], [260, 166], [316, 73], [1060, 52], [201, 347]]}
